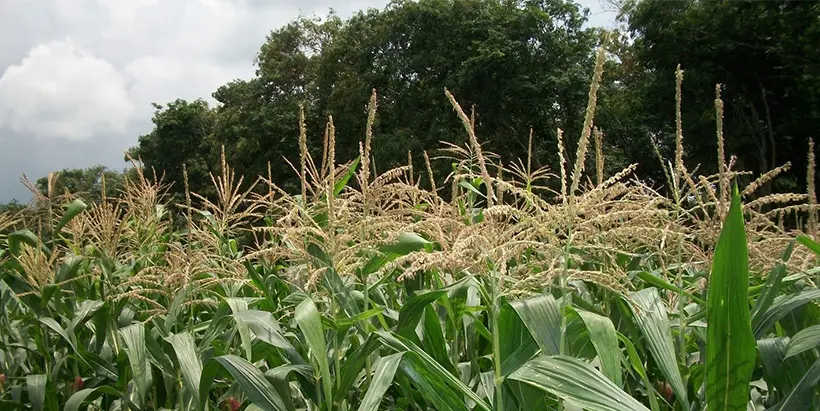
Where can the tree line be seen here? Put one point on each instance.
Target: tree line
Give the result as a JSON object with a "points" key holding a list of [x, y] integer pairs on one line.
{"points": [[522, 66]]}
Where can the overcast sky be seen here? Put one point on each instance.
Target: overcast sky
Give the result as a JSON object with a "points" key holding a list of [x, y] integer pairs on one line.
{"points": [[77, 77]]}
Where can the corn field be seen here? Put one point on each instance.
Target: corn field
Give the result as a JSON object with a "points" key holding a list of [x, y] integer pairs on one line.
{"points": [[365, 291]]}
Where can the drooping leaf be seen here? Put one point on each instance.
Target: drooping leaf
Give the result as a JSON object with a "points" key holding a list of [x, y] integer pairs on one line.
{"points": [[413, 309], [637, 365], [423, 369], [809, 243], [780, 372], [310, 322], [189, 363], [251, 381], [781, 307], [72, 210], [573, 380], [656, 281], [352, 367], [433, 340], [542, 317], [605, 339], [382, 379], [806, 339], [653, 322], [730, 345], [351, 171], [134, 338], [238, 305], [264, 327], [87, 395], [802, 396], [36, 389], [405, 244]]}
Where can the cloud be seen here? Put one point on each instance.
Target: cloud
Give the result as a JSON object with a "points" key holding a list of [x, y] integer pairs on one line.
{"points": [[62, 91]]}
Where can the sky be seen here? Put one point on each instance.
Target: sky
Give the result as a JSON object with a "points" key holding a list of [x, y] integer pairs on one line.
{"points": [[77, 77]]}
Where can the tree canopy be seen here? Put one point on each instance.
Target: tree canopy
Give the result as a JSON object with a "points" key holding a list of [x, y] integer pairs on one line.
{"points": [[521, 64], [764, 56]]}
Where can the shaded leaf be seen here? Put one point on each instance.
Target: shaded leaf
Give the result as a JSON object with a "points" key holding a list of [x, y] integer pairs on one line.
{"points": [[573, 380]]}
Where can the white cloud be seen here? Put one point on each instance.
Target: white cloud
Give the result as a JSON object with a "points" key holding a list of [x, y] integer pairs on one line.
{"points": [[62, 91]]}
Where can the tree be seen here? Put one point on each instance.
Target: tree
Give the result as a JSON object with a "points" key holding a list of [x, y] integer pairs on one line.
{"points": [[182, 137], [85, 183], [763, 54], [522, 64]]}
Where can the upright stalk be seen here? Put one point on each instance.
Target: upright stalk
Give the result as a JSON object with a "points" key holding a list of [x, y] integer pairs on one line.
{"points": [[499, 379]]}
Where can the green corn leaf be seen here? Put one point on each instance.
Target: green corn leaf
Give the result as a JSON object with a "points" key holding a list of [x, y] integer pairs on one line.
{"points": [[353, 365], [425, 372], [134, 338], [578, 382], [433, 340], [158, 357], [87, 395], [238, 305], [806, 339], [730, 345], [280, 378], [72, 210], [635, 361], [605, 339], [382, 379], [51, 323], [189, 363], [542, 317], [405, 244], [516, 343], [653, 322], [86, 308], [310, 322], [251, 381], [264, 327], [802, 396], [781, 307], [780, 372], [36, 389], [654, 280], [351, 171], [768, 294], [809, 243], [413, 309]]}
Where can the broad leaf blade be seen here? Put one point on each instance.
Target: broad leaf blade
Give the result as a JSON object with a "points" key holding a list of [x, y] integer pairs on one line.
{"points": [[72, 210], [781, 307], [310, 322], [189, 363], [651, 317], [730, 345], [265, 327], [801, 397], [807, 339], [573, 380], [425, 371], [251, 382], [605, 339], [382, 379], [542, 317], [134, 338], [36, 389]]}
